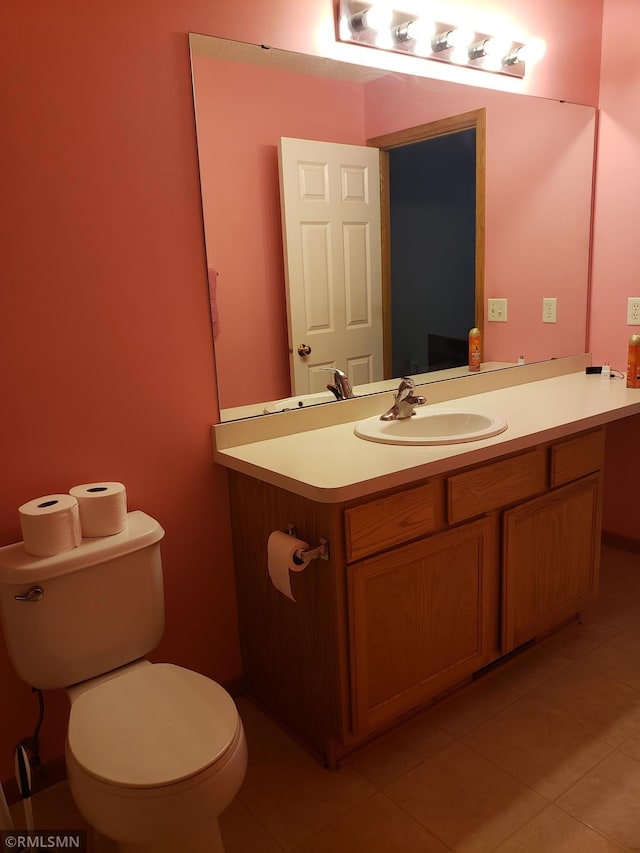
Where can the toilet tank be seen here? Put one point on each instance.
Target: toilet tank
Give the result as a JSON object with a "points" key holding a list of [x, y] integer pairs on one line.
{"points": [[88, 610]]}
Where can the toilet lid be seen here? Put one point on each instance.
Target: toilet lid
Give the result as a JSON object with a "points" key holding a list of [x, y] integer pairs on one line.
{"points": [[153, 726]]}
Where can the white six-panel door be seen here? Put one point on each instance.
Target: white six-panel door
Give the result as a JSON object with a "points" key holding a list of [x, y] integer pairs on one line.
{"points": [[330, 199]]}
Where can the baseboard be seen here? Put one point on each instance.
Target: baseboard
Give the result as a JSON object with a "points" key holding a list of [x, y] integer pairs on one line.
{"points": [[617, 540]]}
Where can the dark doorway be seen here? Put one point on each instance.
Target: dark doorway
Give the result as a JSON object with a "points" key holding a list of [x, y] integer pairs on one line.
{"points": [[432, 196], [432, 180]]}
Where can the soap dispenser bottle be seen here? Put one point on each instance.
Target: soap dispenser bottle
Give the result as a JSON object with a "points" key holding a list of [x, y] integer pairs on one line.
{"points": [[475, 345]]}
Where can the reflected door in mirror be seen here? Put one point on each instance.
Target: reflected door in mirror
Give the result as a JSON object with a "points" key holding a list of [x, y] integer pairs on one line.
{"points": [[330, 197]]}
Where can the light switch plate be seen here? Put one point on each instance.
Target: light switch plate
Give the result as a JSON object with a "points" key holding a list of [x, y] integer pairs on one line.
{"points": [[497, 310]]}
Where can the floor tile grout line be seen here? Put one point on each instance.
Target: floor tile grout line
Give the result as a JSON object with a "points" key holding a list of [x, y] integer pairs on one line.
{"points": [[587, 726], [382, 787], [374, 744], [552, 800], [508, 773], [590, 826], [551, 805], [331, 823], [544, 806], [260, 823], [419, 822]]}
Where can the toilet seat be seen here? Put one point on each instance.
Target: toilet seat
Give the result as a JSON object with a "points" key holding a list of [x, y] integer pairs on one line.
{"points": [[150, 727]]}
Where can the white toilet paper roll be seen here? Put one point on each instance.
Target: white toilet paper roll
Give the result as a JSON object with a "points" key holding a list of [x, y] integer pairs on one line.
{"points": [[281, 559], [103, 508], [50, 525]]}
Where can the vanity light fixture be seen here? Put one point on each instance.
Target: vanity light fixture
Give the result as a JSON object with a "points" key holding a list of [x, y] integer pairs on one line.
{"points": [[377, 24], [374, 18], [452, 38], [519, 54], [419, 32]]}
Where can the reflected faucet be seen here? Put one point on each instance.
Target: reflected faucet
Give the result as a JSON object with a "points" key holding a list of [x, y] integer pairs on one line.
{"points": [[341, 386], [405, 402]]}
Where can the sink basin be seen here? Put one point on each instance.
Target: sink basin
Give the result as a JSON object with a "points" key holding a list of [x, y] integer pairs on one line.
{"points": [[432, 426]]}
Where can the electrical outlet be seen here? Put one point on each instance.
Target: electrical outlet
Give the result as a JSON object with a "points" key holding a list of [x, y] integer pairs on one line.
{"points": [[549, 309], [633, 311], [497, 312]]}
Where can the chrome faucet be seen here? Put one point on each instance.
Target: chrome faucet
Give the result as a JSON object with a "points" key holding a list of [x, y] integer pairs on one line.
{"points": [[405, 402], [341, 386]]}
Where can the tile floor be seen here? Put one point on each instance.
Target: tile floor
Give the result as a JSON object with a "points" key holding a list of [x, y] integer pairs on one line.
{"points": [[540, 756]]}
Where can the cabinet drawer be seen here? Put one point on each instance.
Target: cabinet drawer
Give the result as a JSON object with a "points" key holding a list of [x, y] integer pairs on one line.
{"points": [[577, 457], [498, 484], [374, 526]]}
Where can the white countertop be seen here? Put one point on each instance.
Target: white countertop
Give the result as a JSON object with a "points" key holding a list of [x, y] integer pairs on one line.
{"points": [[332, 464]]}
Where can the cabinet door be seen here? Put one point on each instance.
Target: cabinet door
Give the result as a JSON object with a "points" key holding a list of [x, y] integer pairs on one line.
{"points": [[551, 559], [422, 617]]}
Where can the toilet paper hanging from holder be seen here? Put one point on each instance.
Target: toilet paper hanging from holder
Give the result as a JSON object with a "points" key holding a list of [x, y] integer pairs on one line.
{"points": [[286, 554], [320, 552]]}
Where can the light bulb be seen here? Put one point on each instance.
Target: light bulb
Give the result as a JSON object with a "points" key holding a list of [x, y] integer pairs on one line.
{"points": [[378, 17], [345, 28], [460, 37], [420, 30], [533, 51], [497, 46], [459, 55], [384, 39]]}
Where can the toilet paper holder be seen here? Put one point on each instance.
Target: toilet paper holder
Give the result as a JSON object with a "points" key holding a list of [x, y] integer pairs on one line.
{"points": [[321, 551]]}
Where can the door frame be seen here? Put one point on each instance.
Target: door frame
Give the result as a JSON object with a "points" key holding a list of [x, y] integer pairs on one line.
{"points": [[475, 119]]}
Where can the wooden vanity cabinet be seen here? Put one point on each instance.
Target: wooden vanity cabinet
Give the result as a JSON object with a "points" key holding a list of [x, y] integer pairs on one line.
{"points": [[294, 653], [422, 618], [425, 586], [551, 545]]}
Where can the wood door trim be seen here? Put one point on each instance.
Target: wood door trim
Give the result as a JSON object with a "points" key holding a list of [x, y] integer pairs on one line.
{"points": [[475, 119]]}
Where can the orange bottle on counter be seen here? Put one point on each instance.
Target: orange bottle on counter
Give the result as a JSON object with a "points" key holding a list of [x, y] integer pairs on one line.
{"points": [[633, 362], [475, 345]]}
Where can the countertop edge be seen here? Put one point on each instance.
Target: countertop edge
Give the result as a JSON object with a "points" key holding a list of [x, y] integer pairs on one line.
{"points": [[363, 488], [577, 404]]}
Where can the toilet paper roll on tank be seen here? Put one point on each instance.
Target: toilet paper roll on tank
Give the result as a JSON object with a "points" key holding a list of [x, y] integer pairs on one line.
{"points": [[52, 524], [103, 508], [283, 557]]}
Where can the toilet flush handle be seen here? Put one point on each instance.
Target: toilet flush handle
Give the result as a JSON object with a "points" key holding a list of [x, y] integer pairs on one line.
{"points": [[34, 594]]}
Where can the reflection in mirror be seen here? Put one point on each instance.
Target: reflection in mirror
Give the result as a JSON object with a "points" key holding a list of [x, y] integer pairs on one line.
{"points": [[539, 164]]}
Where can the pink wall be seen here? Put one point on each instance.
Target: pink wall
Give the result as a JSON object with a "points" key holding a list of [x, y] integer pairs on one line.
{"points": [[106, 344], [616, 251], [539, 168], [242, 111]]}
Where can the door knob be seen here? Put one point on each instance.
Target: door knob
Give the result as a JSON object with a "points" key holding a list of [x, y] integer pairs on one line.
{"points": [[304, 350]]}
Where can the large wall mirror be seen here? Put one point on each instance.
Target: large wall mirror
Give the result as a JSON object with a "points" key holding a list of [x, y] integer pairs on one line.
{"points": [[537, 205]]}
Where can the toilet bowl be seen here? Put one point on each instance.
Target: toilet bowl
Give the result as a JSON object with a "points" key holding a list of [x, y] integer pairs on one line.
{"points": [[154, 751], [154, 755]]}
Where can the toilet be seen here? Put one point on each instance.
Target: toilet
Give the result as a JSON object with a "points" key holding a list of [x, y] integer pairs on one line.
{"points": [[154, 751]]}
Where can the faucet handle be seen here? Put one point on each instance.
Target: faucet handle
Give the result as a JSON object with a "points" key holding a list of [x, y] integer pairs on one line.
{"points": [[405, 388], [341, 385], [404, 401]]}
